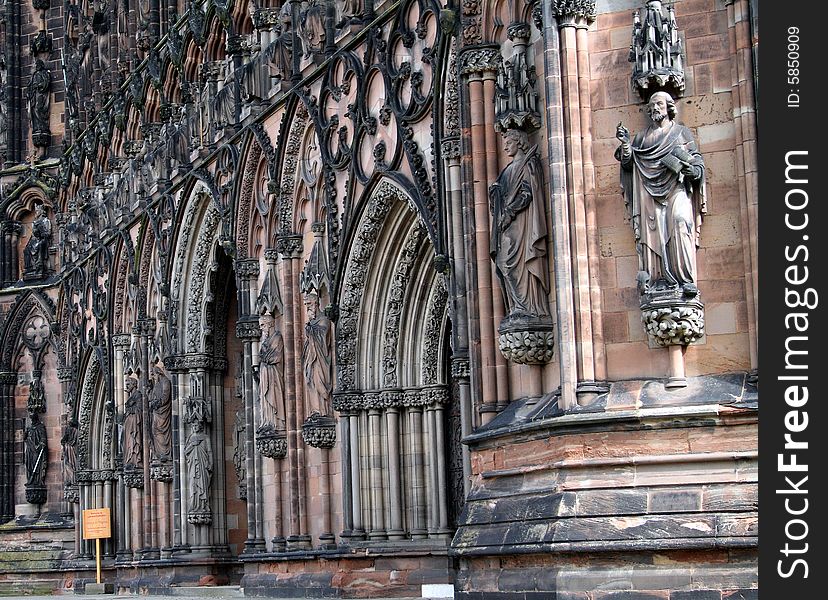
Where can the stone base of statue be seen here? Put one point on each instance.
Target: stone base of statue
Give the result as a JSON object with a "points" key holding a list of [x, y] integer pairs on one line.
{"points": [[41, 139], [673, 319], [527, 340], [34, 274], [319, 431], [200, 517], [133, 478], [161, 471], [35, 493], [271, 443]]}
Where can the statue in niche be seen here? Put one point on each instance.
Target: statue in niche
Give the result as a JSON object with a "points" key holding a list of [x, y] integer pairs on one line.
{"points": [[312, 28], [36, 252], [38, 92], [272, 376], [36, 457], [199, 454], [69, 457], [280, 51], [316, 357], [133, 440], [663, 179], [161, 407], [519, 234]]}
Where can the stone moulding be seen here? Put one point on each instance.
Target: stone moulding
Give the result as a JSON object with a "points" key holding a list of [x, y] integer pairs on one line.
{"points": [[382, 399], [162, 472]]}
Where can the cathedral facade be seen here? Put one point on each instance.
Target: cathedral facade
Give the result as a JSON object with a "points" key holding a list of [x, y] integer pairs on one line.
{"points": [[374, 298]]}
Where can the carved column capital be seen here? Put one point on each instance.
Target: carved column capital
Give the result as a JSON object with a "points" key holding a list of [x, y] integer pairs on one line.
{"points": [[479, 60], [8, 377], [290, 245], [247, 268], [121, 341], [65, 373]]}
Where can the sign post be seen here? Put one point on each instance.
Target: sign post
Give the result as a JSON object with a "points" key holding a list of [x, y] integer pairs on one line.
{"points": [[97, 525]]}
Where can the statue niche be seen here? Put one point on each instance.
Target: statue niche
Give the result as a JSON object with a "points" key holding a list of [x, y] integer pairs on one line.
{"points": [[517, 201], [663, 181]]}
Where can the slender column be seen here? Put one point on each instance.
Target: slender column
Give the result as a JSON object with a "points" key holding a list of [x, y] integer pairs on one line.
{"points": [[249, 332], [7, 382], [417, 477], [439, 438], [483, 267], [395, 528], [150, 548], [356, 476], [594, 267], [377, 530], [120, 344], [744, 115], [498, 307], [560, 211]]}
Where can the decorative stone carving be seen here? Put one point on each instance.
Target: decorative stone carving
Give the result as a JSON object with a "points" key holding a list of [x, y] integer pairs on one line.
{"points": [[584, 9], [312, 27], [656, 51], [198, 453], [272, 444], [670, 323], [517, 101], [239, 441], [518, 249], [480, 60], [527, 347], [36, 459], [36, 252], [38, 93], [319, 431]]}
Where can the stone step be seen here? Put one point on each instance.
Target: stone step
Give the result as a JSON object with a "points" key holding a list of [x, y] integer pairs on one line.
{"points": [[205, 591]]}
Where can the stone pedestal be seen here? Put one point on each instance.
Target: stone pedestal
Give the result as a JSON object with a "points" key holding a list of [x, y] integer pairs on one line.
{"points": [[99, 588], [527, 340]]}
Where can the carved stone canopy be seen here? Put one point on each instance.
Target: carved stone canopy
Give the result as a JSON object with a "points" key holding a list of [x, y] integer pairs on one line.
{"points": [[656, 51]]}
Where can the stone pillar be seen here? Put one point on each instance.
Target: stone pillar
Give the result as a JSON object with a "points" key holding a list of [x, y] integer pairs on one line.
{"points": [[561, 210], [476, 66], [150, 550], [249, 332], [8, 381], [123, 554], [573, 23], [744, 111], [290, 248]]}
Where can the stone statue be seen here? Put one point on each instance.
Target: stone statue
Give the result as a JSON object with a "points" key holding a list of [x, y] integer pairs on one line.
{"points": [[519, 235], [133, 441], [36, 252], [316, 357], [199, 454], [161, 406], [69, 457], [663, 178], [38, 93], [272, 376], [312, 28], [35, 453]]}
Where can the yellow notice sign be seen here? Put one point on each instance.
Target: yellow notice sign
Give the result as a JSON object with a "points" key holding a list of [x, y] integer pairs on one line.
{"points": [[96, 523]]}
